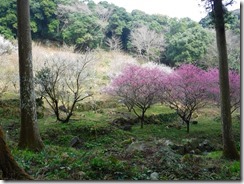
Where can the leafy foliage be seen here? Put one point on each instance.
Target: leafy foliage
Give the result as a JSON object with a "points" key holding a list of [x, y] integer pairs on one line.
{"points": [[8, 19], [90, 25], [188, 45], [232, 20]]}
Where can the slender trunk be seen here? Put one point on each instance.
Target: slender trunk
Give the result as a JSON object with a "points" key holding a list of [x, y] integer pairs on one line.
{"points": [[187, 126], [9, 167], [229, 148], [29, 133], [142, 118]]}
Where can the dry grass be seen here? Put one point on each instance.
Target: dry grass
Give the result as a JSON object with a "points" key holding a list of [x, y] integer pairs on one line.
{"points": [[108, 64]]}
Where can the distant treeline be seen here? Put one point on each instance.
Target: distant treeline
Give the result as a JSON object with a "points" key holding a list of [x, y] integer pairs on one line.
{"points": [[88, 25]]}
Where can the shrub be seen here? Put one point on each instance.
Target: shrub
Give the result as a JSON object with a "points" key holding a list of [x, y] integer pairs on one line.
{"points": [[6, 47], [64, 81]]}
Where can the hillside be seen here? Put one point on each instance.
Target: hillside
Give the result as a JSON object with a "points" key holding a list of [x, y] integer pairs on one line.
{"points": [[97, 143], [88, 25], [117, 95]]}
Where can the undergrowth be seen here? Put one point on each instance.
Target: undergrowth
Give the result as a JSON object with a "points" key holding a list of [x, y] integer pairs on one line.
{"points": [[106, 152]]}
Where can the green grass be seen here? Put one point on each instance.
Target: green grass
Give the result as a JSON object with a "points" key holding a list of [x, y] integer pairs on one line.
{"points": [[103, 154]]}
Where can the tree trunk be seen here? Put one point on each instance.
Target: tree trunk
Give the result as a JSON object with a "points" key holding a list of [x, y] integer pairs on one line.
{"points": [[29, 133], [229, 148], [142, 118], [9, 167], [188, 126]]}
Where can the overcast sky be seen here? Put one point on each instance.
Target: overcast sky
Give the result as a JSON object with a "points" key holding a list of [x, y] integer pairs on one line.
{"points": [[171, 8]]}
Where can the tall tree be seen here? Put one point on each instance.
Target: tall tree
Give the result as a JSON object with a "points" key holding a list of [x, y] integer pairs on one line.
{"points": [[229, 148], [8, 165], [29, 133]]}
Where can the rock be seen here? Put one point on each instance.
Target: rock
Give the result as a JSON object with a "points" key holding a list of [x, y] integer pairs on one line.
{"points": [[135, 146], [123, 124], [119, 121], [127, 127], [205, 146], [164, 142], [63, 108], [100, 111], [174, 125], [197, 151], [194, 122], [75, 142], [154, 176], [81, 173], [179, 149]]}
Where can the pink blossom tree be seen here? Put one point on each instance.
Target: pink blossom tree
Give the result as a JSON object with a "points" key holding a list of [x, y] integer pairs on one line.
{"points": [[138, 87], [235, 87], [186, 91]]}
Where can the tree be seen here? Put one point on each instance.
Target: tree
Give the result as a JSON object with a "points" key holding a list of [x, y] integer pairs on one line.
{"points": [[235, 88], [138, 88], [114, 43], [6, 47], [232, 20], [187, 46], [44, 22], [147, 42], [8, 165], [118, 25], [185, 91], [229, 148], [64, 81], [8, 19], [83, 30], [210, 59], [29, 133]]}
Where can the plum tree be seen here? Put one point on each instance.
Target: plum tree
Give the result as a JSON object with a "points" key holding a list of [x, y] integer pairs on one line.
{"points": [[138, 87], [64, 81], [235, 87], [186, 91]]}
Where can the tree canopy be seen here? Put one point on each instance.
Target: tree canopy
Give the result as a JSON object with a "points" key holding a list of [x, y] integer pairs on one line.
{"points": [[89, 25]]}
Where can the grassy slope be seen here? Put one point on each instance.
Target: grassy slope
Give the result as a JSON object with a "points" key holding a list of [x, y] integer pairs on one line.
{"points": [[104, 149]]}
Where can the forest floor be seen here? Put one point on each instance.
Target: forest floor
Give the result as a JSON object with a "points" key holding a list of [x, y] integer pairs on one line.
{"points": [[97, 145]]}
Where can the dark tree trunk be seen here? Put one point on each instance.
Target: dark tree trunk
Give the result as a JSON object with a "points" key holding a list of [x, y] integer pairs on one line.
{"points": [[29, 133], [142, 118], [9, 167], [229, 148], [187, 126]]}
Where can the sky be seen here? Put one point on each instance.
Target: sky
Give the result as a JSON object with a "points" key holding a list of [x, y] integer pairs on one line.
{"points": [[171, 8]]}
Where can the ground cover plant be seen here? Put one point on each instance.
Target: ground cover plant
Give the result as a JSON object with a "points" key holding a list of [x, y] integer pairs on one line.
{"points": [[162, 150]]}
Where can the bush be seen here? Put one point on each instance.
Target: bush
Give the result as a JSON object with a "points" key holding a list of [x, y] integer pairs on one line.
{"points": [[6, 47], [65, 81]]}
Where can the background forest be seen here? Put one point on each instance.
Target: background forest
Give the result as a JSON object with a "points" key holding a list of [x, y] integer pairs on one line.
{"points": [[89, 26], [84, 56]]}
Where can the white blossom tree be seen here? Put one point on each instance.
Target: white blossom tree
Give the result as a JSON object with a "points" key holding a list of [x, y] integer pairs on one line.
{"points": [[148, 43], [64, 81]]}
